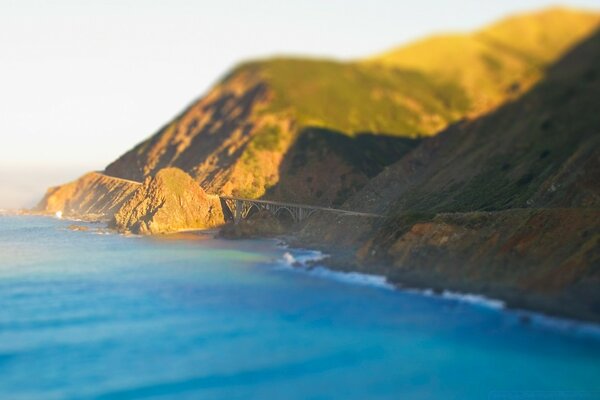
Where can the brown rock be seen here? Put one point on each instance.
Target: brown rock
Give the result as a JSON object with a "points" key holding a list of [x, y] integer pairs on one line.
{"points": [[74, 227], [170, 201]]}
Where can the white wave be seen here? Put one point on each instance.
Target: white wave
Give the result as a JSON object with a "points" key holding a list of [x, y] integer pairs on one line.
{"points": [[470, 298], [355, 278], [302, 257], [561, 324], [475, 299], [58, 214], [301, 260], [288, 258]]}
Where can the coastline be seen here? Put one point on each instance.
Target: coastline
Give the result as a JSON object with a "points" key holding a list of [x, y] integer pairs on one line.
{"points": [[328, 262], [556, 322]]}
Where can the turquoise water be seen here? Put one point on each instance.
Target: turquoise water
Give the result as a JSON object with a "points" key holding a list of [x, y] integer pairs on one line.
{"points": [[84, 315]]}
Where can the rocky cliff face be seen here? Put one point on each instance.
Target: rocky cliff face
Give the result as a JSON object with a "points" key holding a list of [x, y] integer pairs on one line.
{"points": [[94, 195], [168, 202], [541, 259]]}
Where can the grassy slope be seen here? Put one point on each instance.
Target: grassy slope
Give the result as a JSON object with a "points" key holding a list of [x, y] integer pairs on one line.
{"points": [[419, 89], [352, 97], [495, 61]]}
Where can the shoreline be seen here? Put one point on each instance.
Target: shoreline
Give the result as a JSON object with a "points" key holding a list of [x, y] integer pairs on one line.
{"points": [[521, 315], [342, 259], [336, 262]]}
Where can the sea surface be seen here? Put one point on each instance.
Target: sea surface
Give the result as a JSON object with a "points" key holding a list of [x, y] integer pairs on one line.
{"points": [[88, 315]]}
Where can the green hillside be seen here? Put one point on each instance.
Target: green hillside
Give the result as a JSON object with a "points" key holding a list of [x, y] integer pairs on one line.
{"points": [[354, 97]]}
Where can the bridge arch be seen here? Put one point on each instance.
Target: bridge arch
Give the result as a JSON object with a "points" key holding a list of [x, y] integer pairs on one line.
{"points": [[283, 212], [251, 210]]}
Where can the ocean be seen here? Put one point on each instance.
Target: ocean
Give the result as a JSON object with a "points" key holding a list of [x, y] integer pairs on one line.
{"points": [[93, 315]]}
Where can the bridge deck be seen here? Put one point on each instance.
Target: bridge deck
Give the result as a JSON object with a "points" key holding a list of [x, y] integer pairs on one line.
{"points": [[307, 206]]}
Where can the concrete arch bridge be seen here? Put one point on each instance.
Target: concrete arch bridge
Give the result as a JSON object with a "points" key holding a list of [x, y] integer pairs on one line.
{"points": [[241, 208]]}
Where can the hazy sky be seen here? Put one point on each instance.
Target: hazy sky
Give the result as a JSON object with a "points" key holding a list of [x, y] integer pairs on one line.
{"points": [[83, 81]]}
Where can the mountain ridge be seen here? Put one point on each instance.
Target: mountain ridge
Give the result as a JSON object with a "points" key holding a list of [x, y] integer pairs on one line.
{"points": [[235, 139]]}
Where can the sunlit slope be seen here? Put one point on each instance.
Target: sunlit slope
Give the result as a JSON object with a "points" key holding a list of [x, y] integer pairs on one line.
{"points": [[500, 60], [316, 130], [354, 97]]}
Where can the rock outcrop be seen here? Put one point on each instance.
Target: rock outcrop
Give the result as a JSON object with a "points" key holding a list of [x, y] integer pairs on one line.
{"points": [[170, 201], [93, 196]]}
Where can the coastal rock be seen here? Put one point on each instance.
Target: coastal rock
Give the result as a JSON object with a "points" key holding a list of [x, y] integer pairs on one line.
{"points": [[81, 228], [170, 201]]}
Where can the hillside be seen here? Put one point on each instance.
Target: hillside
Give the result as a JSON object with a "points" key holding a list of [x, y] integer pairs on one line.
{"points": [[507, 204], [252, 133]]}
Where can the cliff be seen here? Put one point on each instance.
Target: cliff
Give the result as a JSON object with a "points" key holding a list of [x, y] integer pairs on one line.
{"points": [[93, 195], [168, 202]]}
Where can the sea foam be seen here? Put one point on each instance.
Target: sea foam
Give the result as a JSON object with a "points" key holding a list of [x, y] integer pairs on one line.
{"points": [[303, 261], [475, 299]]}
